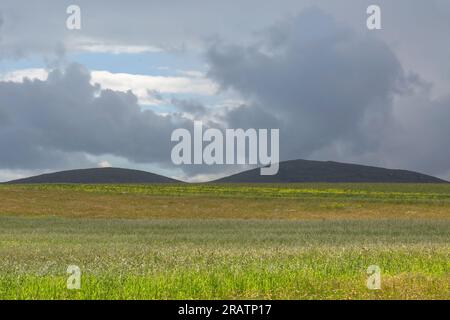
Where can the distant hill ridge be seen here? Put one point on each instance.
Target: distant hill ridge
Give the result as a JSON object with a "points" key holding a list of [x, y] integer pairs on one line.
{"points": [[330, 171], [98, 175], [289, 172]]}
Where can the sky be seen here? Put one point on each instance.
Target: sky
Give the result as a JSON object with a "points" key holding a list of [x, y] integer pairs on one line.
{"points": [[111, 93]]}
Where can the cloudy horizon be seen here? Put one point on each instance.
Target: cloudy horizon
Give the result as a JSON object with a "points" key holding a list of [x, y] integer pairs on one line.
{"points": [[111, 93]]}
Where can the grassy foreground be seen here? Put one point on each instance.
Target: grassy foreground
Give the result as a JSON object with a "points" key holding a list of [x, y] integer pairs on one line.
{"points": [[243, 242]]}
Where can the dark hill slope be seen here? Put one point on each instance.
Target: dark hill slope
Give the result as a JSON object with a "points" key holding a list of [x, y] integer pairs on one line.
{"points": [[97, 175], [328, 171]]}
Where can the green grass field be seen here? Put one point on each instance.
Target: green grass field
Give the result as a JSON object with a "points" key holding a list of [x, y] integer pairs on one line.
{"points": [[301, 241]]}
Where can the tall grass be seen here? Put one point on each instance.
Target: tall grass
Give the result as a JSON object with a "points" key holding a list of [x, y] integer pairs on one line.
{"points": [[223, 258]]}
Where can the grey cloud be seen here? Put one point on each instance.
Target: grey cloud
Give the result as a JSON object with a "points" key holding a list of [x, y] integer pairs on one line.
{"points": [[192, 107], [420, 137], [2, 21], [155, 94]]}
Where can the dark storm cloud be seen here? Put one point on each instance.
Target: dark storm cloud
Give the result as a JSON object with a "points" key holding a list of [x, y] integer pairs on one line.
{"points": [[45, 123], [315, 80], [335, 94]]}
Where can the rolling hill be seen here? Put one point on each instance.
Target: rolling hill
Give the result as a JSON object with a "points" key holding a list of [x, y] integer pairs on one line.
{"points": [[329, 171], [98, 175], [290, 172]]}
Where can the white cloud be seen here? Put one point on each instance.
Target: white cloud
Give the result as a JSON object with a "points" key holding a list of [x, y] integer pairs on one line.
{"points": [[162, 84], [104, 164], [143, 86], [20, 75], [99, 47], [192, 73]]}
